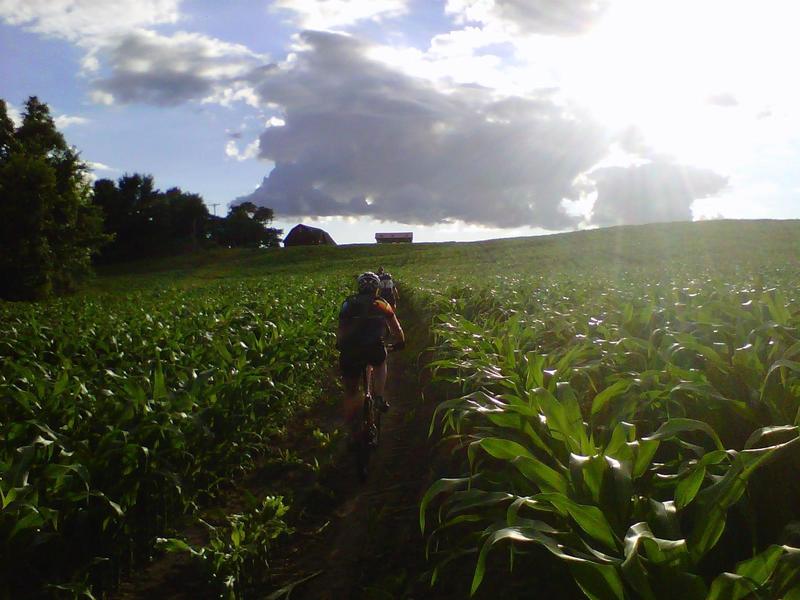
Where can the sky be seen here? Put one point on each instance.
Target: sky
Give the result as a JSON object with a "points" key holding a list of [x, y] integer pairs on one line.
{"points": [[454, 119]]}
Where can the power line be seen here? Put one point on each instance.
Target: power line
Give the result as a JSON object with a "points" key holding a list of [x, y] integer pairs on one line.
{"points": [[214, 208]]}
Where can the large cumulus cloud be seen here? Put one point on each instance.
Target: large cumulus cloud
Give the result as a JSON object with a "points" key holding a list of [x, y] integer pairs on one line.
{"points": [[362, 138], [654, 192]]}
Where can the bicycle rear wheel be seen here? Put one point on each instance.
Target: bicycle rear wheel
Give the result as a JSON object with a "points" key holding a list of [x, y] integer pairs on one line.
{"points": [[368, 438]]}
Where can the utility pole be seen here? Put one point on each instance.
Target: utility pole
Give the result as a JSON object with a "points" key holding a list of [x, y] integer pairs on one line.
{"points": [[214, 208]]}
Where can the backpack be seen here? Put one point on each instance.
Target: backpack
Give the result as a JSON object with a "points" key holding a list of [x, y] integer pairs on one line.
{"points": [[386, 286], [363, 321]]}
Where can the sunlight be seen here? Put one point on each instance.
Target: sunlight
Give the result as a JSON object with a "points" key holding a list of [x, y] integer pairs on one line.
{"points": [[693, 76]]}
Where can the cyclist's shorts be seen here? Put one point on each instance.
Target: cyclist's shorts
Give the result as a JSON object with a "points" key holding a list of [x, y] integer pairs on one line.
{"points": [[353, 361]]}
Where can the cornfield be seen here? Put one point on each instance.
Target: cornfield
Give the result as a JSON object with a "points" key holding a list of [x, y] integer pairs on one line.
{"points": [[121, 412], [640, 426], [622, 403]]}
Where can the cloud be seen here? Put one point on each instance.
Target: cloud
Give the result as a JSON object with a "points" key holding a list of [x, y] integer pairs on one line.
{"points": [[77, 20], [98, 166], [549, 17], [138, 64], [64, 121], [95, 167], [327, 14], [724, 99], [167, 70], [363, 138], [650, 193], [14, 114], [250, 151]]}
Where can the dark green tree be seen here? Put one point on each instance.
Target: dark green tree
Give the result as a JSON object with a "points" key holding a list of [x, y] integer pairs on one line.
{"points": [[146, 221], [188, 215], [247, 226], [49, 227]]}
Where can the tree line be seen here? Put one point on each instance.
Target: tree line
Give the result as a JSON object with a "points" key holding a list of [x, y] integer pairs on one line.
{"points": [[55, 223]]}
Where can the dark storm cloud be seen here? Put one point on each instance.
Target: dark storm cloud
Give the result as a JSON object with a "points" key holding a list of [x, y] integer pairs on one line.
{"points": [[150, 68], [649, 193], [362, 138]]}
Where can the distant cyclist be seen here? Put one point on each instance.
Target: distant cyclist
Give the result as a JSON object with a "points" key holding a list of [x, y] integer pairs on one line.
{"points": [[364, 321], [388, 289]]}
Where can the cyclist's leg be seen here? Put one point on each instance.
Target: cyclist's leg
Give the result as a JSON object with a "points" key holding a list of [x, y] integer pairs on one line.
{"points": [[377, 359], [352, 399], [351, 368], [379, 379], [370, 389]]}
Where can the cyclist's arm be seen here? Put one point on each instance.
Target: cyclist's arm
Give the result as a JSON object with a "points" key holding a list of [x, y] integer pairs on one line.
{"points": [[395, 329]]}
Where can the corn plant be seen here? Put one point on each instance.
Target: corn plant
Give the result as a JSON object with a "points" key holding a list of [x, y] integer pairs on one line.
{"points": [[616, 427], [237, 551], [121, 413]]}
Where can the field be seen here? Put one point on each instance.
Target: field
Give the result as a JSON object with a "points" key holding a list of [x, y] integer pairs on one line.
{"points": [[617, 415]]}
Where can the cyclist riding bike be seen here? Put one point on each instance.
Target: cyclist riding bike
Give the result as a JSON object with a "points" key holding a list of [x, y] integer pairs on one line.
{"points": [[388, 289], [364, 321]]}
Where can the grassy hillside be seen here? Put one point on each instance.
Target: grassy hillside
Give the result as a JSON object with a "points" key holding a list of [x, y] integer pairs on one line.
{"points": [[716, 244]]}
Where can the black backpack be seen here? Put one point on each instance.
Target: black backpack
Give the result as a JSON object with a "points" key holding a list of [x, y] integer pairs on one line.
{"points": [[364, 324]]}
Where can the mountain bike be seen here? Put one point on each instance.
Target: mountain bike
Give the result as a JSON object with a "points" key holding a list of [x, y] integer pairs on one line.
{"points": [[369, 436]]}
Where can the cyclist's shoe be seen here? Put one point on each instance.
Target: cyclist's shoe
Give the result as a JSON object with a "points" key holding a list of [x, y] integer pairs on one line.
{"points": [[382, 404]]}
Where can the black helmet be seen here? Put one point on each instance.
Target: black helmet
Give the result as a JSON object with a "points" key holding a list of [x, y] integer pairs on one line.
{"points": [[368, 283]]}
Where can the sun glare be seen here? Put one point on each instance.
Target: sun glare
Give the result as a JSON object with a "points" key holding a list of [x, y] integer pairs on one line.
{"points": [[693, 75]]}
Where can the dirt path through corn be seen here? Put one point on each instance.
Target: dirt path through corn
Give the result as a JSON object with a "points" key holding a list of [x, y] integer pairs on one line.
{"points": [[370, 545]]}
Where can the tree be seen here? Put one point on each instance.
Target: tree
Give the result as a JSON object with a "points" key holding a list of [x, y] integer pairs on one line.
{"points": [[49, 228], [7, 140], [188, 214], [146, 221], [246, 226]]}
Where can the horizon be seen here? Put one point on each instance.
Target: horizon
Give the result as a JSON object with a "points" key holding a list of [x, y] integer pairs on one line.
{"points": [[459, 120], [513, 236]]}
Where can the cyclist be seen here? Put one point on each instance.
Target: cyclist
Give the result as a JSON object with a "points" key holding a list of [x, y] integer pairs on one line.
{"points": [[388, 289], [364, 321]]}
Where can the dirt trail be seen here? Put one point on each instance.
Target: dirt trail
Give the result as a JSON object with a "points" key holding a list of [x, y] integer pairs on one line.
{"points": [[372, 546]]}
